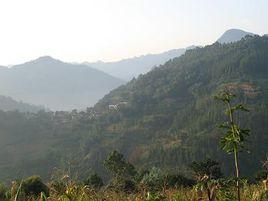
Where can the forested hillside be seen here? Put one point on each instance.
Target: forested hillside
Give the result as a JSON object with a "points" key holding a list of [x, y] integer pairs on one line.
{"points": [[166, 118], [9, 104], [169, 116]]}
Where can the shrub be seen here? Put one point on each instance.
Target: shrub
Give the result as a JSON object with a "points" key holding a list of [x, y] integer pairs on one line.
{"points": [[34, 186], [3, 193], [260, 175], [172, 181], [153, 180], [207, 167], [126, 185], [140, 174], [58, 186], [94, 181]]}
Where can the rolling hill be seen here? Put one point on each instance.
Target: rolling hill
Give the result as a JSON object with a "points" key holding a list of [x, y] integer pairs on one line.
{"points": [[55, 84]]}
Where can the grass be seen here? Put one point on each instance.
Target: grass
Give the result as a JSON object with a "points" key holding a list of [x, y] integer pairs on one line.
{"points": [[76, 192]]}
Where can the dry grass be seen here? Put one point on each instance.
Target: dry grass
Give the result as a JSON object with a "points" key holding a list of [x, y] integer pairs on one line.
{"points": [[75, 192]]}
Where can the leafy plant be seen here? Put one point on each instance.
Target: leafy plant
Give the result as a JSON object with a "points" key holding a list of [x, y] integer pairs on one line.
{"points": [[234, 138], [43, 197]]}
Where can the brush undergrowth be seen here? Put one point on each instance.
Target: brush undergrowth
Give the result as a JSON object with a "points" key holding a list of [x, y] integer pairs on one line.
{"points": [[71, 191]]}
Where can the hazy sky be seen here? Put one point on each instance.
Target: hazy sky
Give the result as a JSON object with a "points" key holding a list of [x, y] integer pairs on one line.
{"points": [[89, 30]]}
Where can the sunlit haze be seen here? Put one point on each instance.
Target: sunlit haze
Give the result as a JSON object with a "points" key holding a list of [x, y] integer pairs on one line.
{"points": [[90, 30]]}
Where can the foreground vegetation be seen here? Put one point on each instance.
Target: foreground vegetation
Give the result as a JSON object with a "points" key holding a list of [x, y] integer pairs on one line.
{"points": [[75, 193], [128, 183], [151, 187]]}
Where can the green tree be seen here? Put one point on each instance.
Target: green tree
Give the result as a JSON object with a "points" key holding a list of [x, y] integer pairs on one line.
{"points": [[206, 172], [207, 167], [118, 166], [124, 172], [234, 138]]}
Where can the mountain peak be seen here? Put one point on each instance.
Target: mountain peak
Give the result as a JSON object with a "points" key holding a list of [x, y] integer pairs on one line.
{"points": [[233, 35], [56, 84], [46, 59]]}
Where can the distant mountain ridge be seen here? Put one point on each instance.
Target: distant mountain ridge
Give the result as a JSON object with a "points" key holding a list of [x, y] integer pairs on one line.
{"points": [[126, 69], [233, 35], [9, 104], [56, 84]]}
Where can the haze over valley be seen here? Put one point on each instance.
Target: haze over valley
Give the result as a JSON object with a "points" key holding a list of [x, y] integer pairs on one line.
{"points": [[55, 84], [58, 85]]}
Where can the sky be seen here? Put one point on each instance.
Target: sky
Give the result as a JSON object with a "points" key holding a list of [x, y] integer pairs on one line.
{"points": [[110, 30]]}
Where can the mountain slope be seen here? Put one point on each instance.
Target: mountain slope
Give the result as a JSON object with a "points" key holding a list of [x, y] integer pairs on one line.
{"points": [[166, 118], [55, 84], [233, 35], [126, 69], [170, 117], [9, 104]]}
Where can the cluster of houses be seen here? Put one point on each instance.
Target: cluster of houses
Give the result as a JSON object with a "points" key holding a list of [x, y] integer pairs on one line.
{"points": [[65, 116], [247, 88], [117, 106]]}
